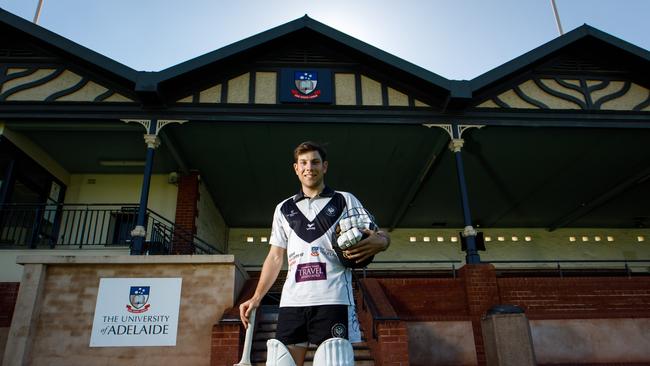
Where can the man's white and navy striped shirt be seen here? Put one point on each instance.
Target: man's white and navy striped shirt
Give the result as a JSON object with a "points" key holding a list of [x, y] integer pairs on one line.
{"points": [[306, 228]]}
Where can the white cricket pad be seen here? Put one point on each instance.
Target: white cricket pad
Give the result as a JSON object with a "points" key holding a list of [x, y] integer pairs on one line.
{"points": [[334, 352], [277, 354]]}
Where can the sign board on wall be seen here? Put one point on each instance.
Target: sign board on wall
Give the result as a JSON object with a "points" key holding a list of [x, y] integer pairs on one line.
{"points": [[306, 86], [134, 312]]}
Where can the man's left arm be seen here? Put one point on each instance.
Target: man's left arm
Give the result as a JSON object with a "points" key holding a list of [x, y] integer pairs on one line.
{"points": [[376, 242]]}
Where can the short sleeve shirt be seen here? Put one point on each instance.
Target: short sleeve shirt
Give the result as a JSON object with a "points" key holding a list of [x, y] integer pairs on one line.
{"points": [[305, 227]]}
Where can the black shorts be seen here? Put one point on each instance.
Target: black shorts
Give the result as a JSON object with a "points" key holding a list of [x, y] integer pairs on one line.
{"points": [[313, 324]]}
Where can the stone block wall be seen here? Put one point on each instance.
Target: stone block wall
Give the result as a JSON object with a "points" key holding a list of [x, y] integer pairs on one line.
{"points": [[61, 319]]}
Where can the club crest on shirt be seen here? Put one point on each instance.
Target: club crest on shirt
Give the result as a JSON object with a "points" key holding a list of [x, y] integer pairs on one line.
{"points": [[330, 211], [292, 213], [314, 251], [338, 330]]}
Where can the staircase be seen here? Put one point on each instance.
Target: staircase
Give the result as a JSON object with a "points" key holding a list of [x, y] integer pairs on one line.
{"points": [[267, 321]]}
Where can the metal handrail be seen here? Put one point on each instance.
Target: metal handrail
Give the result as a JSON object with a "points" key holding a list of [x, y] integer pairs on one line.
{"points": [[88, 224], [558, 262], [372, 307], [453, 263]]}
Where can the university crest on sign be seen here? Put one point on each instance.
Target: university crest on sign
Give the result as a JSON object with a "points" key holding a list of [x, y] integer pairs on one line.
{"points": [[138, 298], [305, 82]]}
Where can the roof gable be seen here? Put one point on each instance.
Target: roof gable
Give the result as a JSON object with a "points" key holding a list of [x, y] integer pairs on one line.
{"points": [[585, 69], [284, 46], [28, 41]]}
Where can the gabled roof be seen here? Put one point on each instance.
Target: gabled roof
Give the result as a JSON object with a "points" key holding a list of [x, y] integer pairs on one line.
{"points": [[541, 53], [301, 24], [85, 56]]}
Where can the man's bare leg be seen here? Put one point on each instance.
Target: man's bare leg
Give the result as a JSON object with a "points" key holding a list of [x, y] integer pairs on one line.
{"points": [[298, 354]]}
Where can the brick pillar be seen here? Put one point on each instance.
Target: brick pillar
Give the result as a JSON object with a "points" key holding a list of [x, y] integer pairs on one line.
{"points": [[392, 337], [482, 293], [186, 212], [8, 296], [226, 344]]}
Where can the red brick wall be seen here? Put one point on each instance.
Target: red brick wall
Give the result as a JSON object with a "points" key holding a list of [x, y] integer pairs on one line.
{"points": [[8, 295], [477, 288], [227, 339], [186, 210], [387, 339], [578, 297], [427, 299]]}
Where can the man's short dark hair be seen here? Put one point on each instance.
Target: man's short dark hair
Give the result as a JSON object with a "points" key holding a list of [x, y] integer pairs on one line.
{"points": [[308, 146]]}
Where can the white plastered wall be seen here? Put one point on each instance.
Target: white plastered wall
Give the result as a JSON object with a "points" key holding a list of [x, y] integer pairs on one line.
{"points": [[544, 245], [210, 225], [123, 188]]}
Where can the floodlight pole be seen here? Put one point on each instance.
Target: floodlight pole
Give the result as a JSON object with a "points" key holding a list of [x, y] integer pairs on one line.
{"points": [[38, 11], [557, 17]]}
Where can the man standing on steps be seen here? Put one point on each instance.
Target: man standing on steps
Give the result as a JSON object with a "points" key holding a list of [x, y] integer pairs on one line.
{"points": [[317, 301]]}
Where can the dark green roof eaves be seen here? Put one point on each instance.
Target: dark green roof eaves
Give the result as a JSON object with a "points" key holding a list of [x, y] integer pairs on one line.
{"points": [[527, 59], [295, 25], [68, 46]]}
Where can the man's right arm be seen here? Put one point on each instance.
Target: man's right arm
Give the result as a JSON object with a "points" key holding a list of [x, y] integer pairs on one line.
{"points": [[270, 270]]}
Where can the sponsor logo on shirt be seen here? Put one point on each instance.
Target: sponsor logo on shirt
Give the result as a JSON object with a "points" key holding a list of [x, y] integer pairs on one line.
{"points": [[311, 272]]}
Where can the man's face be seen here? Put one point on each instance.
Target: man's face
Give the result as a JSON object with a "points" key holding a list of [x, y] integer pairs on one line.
{"points": [[310, 169]]}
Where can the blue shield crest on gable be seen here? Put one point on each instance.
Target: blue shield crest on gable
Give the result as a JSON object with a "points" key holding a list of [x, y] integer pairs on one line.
{"points": [[305, 81]]}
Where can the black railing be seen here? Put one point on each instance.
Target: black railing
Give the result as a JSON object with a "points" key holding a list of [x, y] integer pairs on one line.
{"points": [[411, 265], [92, 225], [578, 264]]}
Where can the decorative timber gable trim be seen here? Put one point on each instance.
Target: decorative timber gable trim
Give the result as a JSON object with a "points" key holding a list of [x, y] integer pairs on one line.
{"points": [[262, 87], [573, 93], [38, 83]]}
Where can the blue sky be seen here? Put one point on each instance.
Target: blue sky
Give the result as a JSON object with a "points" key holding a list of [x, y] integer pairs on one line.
{"points": [[457, 39]]}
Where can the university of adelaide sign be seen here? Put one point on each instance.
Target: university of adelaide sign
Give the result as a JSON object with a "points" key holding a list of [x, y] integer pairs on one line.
{"points": [[136, 312], [306, 86]]}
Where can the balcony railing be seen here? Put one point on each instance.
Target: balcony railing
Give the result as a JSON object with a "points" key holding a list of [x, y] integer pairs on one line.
{"points": [[93, 225]]}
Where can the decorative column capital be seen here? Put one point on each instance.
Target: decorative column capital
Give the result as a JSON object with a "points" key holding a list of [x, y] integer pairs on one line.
{"points": [[152, 141], [456, 145], [139, 231], [159, 124], [469, 231]]}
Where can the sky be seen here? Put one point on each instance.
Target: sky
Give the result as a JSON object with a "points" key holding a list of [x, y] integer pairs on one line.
{"points": [[457, 39]]}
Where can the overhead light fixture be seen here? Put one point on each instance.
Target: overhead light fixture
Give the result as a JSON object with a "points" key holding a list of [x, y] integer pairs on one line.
{"points": [[610, 238], [264, 239], [413, 239], [122, 163], [640, 238], [440, 239], [528, 238], [250, 239], [454, 239], [426, 239]]}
